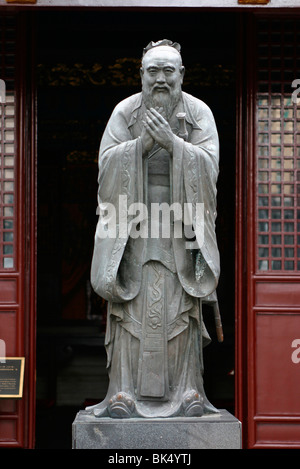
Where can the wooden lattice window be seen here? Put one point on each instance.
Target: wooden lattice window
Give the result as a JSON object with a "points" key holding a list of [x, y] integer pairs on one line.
{"points": [[7, 144], [278, 147]]}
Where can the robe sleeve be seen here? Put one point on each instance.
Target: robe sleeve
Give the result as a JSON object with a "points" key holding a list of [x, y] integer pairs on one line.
{"points": [[195, 173], [120, 185]]}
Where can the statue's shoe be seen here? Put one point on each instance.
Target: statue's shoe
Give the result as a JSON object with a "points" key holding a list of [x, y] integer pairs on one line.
{"points": [[192, 404], [121, 406]]}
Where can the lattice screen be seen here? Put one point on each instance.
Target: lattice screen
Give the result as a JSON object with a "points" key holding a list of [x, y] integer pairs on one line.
{"points": [[278, 147], [7, 145]]}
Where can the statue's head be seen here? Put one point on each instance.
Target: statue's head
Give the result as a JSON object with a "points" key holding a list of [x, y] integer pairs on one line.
{"points": [[162, 74], [163, 42]]}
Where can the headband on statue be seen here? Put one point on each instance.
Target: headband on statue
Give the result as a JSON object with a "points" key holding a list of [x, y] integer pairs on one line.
{"points": [[162, 42]]}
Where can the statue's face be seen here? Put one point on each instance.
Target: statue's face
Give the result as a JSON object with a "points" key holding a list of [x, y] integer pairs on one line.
{"points": [[162, 71]]}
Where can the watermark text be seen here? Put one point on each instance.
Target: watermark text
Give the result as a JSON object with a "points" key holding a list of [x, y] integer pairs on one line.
{"points": [[161, 220]]}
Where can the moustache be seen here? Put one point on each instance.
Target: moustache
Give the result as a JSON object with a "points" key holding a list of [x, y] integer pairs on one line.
{"points": [[161, 88]]}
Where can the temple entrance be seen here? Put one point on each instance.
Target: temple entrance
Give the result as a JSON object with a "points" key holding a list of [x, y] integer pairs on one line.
{"points": [[86, 63]]}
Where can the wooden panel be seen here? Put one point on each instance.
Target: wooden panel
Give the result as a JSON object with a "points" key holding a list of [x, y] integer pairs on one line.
{"points": [[8, 289], [279, 293], [8, 430], [8, 332], [277, 376], [278, 434], [8, 406]]}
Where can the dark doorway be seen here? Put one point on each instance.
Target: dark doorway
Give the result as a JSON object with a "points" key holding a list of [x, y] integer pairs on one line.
{"points": [[86, 63]]}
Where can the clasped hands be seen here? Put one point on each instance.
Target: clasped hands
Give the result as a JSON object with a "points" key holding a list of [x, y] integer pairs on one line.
{"points": [[156, 129]]}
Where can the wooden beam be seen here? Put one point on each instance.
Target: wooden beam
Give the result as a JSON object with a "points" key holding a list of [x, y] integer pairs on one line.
{"points": [[208, 4]]}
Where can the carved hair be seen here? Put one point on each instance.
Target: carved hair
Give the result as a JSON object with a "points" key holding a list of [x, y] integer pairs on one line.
{"points": [[162, 42]]}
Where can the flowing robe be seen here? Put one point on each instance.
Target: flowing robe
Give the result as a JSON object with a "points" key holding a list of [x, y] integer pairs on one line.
{"points": [[155, 332]]}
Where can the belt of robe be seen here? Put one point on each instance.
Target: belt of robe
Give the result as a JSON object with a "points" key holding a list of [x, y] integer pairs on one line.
{"points": [[152, 383]]}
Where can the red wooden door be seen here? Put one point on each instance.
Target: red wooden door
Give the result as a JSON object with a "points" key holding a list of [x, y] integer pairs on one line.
{"points": [[268, 301], [17, 232]]}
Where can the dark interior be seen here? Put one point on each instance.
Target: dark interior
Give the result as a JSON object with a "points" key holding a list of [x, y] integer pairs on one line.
{"points": [[86, 63]]}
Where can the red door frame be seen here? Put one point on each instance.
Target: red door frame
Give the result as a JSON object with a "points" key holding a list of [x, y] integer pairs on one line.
{"points": [[29, 174], [249, 310], [240, 232]]}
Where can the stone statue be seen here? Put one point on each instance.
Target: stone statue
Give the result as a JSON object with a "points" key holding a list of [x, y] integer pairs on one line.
{"points": [[159, 150]]}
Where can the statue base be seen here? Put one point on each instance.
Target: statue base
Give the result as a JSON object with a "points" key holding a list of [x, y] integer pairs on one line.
{"points": [[213, 431]]}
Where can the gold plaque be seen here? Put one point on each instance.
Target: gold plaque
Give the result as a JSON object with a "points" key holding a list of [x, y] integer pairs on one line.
{"points": [[11, 377]]}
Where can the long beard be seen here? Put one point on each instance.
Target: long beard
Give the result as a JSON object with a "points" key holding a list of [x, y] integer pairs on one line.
{"points": [[167, 100]]}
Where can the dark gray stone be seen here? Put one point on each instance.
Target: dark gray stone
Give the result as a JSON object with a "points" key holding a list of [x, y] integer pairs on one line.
{"points": [[159, 153], [214, 431]]}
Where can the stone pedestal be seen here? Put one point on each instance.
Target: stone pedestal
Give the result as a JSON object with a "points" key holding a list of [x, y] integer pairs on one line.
{"points": [[214, 431]]}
